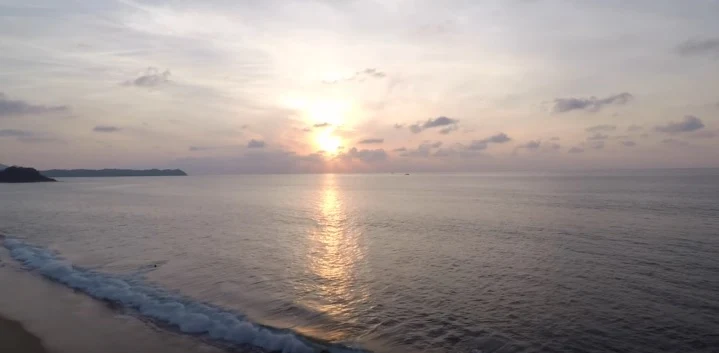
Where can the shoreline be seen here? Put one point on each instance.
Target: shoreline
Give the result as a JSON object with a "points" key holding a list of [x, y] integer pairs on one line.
{"points": [[15, 338]]}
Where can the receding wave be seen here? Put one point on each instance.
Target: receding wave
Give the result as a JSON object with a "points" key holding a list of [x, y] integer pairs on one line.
{"points": [[180, 312]]}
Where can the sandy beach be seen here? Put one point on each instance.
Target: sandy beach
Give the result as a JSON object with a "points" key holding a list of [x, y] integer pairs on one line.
{"points": [[40, 316], [14, 338]]}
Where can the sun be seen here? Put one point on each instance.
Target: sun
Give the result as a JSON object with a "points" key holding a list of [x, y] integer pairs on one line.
{"points": [[327, 142]]}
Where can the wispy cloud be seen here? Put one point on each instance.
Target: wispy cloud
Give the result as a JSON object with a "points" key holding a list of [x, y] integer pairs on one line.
{"points": [[9, 107], [695, 47], [14, 133], [689, 123], [575, 150], [256, 144], [106, 128], [359, 76], [480, 145], [601, 128], [152, 77], [370, 141], [365, 155], [321, 125], [591, 104], [441, 121]]}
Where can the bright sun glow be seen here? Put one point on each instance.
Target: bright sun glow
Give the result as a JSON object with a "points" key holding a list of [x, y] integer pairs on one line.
{"points": [[328, 142]]}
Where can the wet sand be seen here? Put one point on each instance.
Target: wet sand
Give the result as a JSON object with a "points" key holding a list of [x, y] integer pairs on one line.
{"points": [[40, 316], [14, 338]]}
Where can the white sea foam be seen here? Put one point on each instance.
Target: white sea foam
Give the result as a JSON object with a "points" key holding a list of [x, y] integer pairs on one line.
{"points": [[186, 315]]}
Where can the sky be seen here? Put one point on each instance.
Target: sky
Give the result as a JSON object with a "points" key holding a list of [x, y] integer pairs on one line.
{"points": [[241, 86]]}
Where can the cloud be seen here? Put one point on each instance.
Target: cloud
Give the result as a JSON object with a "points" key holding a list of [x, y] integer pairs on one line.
{"points": [[697, 47], [688, 124], [306, 129], [401, 149], [441, 121], [448, 129], [359, 76], [705, 134], [629, 143], [370, 141], [576, 150], [423, 150], [597, 145], [106, 128], [398, 126], [9, 107], [635, 128], [479, 145], [554, 138], [597, 137], [151, 78], [367, 156], [674, 142], [319, 125], [591, 104], [15, 133], [199, 148], [531, 145], [256, 144], [601, 128]]}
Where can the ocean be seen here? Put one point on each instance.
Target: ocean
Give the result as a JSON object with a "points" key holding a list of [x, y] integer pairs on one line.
{"points": [[612, 261]]}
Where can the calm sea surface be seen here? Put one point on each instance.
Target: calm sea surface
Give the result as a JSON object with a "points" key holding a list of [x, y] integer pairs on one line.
{"points": [[598, 262]]}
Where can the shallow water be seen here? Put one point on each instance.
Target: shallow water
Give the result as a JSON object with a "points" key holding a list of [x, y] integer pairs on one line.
{"points": [[613, 261]]}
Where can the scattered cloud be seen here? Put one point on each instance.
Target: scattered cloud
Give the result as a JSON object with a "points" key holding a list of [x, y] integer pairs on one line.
{"points": [[199, 148], [688, 124], [320, 125], [401, 149], [674, 142], [9, 107], [601, 128], [15, 133], [629, 143], [698, 47], [365, 155], [591, 104], [441, 121], [359, 76], [106, 128], [576, 150], [448, 129], [480, 145], [705, 134], [597, 137], [398, 126], [531, 145], [306, 129], [152, 77], [423, 150], [554, 138], [256, 144], [370, 141], [635, 128], [597, 145]]}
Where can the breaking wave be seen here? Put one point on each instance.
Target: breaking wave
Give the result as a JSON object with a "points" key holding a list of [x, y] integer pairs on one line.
{"points": [[180, 312]]}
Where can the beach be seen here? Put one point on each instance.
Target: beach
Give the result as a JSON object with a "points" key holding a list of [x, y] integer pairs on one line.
{"points": [[14, 338], [40, 316]]}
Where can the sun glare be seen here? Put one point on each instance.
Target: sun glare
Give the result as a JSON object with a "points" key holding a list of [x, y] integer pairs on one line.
{"points": [[328, 142]]}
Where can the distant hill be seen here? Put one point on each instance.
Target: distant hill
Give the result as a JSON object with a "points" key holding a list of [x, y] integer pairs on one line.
{"points": [[2, 167], [72, 173], [22, 175]]}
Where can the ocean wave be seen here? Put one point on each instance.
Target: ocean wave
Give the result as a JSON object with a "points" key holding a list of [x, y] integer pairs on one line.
{"points": [[184, 314]]}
